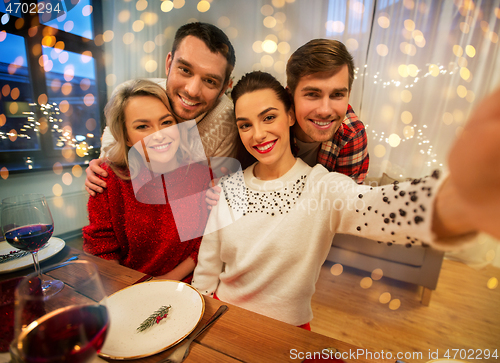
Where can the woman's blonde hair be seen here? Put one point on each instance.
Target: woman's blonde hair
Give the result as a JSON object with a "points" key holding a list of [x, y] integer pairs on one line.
{"points": [[117, 152]]}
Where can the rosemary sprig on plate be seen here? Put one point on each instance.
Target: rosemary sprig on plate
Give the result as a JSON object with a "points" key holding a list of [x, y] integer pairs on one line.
{"points": [[154, 318]]}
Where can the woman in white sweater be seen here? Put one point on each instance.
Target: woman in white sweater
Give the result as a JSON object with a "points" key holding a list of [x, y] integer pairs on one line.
{"points": [[272, 229]]}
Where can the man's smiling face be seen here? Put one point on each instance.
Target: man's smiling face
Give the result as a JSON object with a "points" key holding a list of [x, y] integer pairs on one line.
{"points": [[195, 78], [321, 101]]}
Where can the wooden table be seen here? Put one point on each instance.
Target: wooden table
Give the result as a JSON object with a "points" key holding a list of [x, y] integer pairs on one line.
{"points": [[238, 336]]}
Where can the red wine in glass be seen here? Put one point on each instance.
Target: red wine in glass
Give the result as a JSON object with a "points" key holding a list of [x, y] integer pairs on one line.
{"points": [[27, 224], [29, 238], [72, 334]]}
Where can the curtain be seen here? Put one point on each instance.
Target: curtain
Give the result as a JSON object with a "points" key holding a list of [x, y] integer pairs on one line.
{"points": [[421, 65]]}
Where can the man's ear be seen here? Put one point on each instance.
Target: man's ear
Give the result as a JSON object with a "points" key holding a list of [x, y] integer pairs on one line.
{"points": [[168, 63], [291, 116], [227, 86]]}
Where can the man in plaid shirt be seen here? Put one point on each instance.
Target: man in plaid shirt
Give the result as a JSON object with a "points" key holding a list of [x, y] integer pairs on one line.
{"points": [[319, 77]]}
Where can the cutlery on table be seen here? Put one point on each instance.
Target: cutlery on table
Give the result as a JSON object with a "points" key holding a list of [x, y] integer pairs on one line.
{"points": [[182, 352]]}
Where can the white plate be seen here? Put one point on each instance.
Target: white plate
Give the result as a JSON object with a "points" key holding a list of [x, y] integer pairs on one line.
{"points": [[129, 307], [54, 245]]}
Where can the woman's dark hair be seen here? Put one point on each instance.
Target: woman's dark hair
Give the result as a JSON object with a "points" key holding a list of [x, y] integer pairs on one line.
{"points": [[256, 81]]}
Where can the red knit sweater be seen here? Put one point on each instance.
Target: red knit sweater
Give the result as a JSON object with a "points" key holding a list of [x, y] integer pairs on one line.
{"points": [[143, 236]]}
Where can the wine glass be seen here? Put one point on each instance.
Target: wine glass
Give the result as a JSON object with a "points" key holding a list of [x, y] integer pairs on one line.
{"points": [[69, 326], [27, 224]]}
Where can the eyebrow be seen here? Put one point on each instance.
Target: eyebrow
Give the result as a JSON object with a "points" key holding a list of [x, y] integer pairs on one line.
{"points": [[260, 113], [167, 115], [209, 75], [316, 89]]}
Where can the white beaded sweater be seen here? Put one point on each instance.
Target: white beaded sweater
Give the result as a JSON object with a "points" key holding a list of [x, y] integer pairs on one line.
{"points": [[265, 241]]}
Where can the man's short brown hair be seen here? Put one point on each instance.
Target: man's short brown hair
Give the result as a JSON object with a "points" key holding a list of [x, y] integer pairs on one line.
{"points": [[318, 55]]}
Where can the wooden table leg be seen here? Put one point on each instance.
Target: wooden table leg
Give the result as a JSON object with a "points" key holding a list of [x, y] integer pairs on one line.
{"points": [[426, 296]]}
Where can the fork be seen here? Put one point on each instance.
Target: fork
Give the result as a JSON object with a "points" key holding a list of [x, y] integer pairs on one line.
{"points": [[182, 352]]}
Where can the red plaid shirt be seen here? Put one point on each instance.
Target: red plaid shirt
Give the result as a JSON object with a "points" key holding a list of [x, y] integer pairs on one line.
{"points": [[347, 152]]}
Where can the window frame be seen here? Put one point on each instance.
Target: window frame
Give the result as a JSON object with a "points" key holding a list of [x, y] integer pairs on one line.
{"points": [[48, 155]]}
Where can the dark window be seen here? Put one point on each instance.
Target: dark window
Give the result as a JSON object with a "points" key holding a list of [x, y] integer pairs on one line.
{"points": [[52, 89]]}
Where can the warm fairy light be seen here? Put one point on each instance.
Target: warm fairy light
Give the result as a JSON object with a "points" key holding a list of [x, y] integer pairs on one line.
{"points": [[458, 116], [278, 3], [179, 3], [85, 84], [87, 10], [394, 140], [461, 91], [203, 6], [160, 40], [490, 255], [88, 99], [19, 23], [223, 22], [257, 46], [406, 117], [351, 44], [409, 25], [6, 90], [464, 27], [377, 274], [384, 21], [284, 48], [91, 124], [394, 304], [406, 96], [285, 35], [111, 79], [464, 73], [166, 6], [3, 119], [335, 26], [12, 135], [13, 108], [66, 88], [492, 283], [408, 132], [269, 46], [128, 38], [137, 26], [458, 50], [4, 173], [470, 51], [280, 17], [108, 36], [149, 18], [141, 5], [64, 106], [149, 46], [57, 190], [267, 61], [337, 269], [269, 22], [67, 179], [42, 99], [231, 32], [447, 118], [86, 56], [384, 298], [77, 171], [366, 282], [382, 50], [357, 7], [151, 66], [14, 94], [280, 66], [124, 16], [433, 70], [379, 151], [471, 96], [267, 10]]}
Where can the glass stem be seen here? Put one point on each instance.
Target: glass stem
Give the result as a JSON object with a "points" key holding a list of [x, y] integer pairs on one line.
{"points": [[36, 263]]}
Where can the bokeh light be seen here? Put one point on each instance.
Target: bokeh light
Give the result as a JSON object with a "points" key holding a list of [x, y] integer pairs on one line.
{"points": [[57, 190], [382, 50], [384, 21], [377, 274], [337, 269], [269, 46], [406, 96], [88, 99], [4, 173], [203, 6], [137, 25], [77, 171], [166, 6], [447, 118], [394, 140], [394, 304], [141, 5], [124, 15], [408, 132], [379, 151], [384, 298], [406, 117], [366, 282], [269, 22], [492, 283], [67, 179], [91, 124]]}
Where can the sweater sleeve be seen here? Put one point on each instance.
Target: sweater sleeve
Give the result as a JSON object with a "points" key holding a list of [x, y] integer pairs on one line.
{"points": [[210, 265], [99, 238], [399, 213]]}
